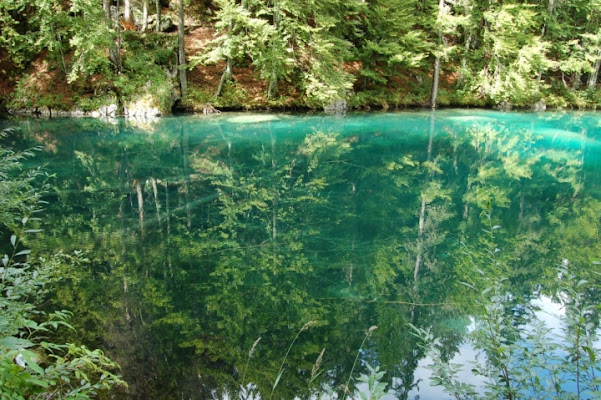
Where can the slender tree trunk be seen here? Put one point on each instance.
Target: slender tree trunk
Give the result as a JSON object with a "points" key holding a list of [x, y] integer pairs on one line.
{"points": [[183, 81], [114, 53], [157, 203], [274, 211], [63, 65], [422, 213], [435, 77], [592, 80], [186, 170], [106, 7], [468, 42], [225, 77], [140, 206], [435, 83], [158, 19], [127, 14], [576, 82], [273, 82], [168, 220], [550, 9], [144, 15]]}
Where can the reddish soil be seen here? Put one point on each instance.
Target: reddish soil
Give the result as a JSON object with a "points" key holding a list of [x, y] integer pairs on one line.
{"points": [[7, 83], [208, 76]]}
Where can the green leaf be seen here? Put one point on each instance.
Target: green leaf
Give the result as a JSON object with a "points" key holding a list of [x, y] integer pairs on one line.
{"points": [[591, 353], [23, 253], [14, 343], [277, 380]]}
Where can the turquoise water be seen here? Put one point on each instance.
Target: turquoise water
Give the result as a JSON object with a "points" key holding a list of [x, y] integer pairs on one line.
{"points": [[204, 234]]}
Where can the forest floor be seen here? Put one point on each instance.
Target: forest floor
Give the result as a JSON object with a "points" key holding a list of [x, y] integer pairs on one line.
{"points": [[46, 86]]}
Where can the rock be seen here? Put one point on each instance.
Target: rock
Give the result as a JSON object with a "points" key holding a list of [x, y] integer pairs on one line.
{"points": [[539, 106], [108, 110], [22, 111], [77, 112], [166, 23], [504, 106], [336, 107], [45, 111]]}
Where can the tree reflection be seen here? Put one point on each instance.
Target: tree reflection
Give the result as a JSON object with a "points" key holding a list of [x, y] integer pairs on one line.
{"points": [[205, 234]]}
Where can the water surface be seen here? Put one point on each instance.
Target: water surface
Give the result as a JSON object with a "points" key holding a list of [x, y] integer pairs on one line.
{"points": [[204, 234]]}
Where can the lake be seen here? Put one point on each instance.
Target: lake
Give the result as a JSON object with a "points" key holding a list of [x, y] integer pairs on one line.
{"points": [[223, 254]]}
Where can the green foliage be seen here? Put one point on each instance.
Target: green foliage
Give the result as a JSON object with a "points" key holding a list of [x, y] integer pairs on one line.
{"points": [[376, 389], [146, 63], [30, 365]]}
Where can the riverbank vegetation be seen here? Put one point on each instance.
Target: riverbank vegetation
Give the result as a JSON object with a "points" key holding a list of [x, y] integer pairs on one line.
{"points": [[151, 57]]}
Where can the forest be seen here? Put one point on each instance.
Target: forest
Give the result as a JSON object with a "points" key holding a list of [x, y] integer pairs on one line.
{"points": [[299, 255], [137, 57]]}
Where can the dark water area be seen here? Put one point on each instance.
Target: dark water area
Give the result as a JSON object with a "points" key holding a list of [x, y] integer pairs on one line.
{"points": [[204, 234]]}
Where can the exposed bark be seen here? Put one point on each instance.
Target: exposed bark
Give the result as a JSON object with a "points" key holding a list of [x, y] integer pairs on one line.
{"points": [[183, 80]]}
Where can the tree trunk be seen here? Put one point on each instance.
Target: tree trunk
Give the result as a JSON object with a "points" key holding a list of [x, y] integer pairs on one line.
{"points": [[592, 80], [468, 42], [144, 15], [550, 9], [226, 76], [114, 54], [127, 14], [157, 203], [140, 206], [183, 81], [273, 82], [576, 82], [422, 214], [158, 19], [168, 220], [435, 83], [435, 77], [186, 171]]}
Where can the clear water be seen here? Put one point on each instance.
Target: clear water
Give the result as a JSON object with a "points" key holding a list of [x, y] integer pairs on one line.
{"points": [[204, 234]]}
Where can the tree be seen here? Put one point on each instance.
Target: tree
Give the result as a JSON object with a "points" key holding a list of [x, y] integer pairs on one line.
{"points": [[183, 80]]}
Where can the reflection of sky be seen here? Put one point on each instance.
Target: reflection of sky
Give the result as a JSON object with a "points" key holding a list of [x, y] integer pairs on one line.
{"points": [[549, 313]]}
